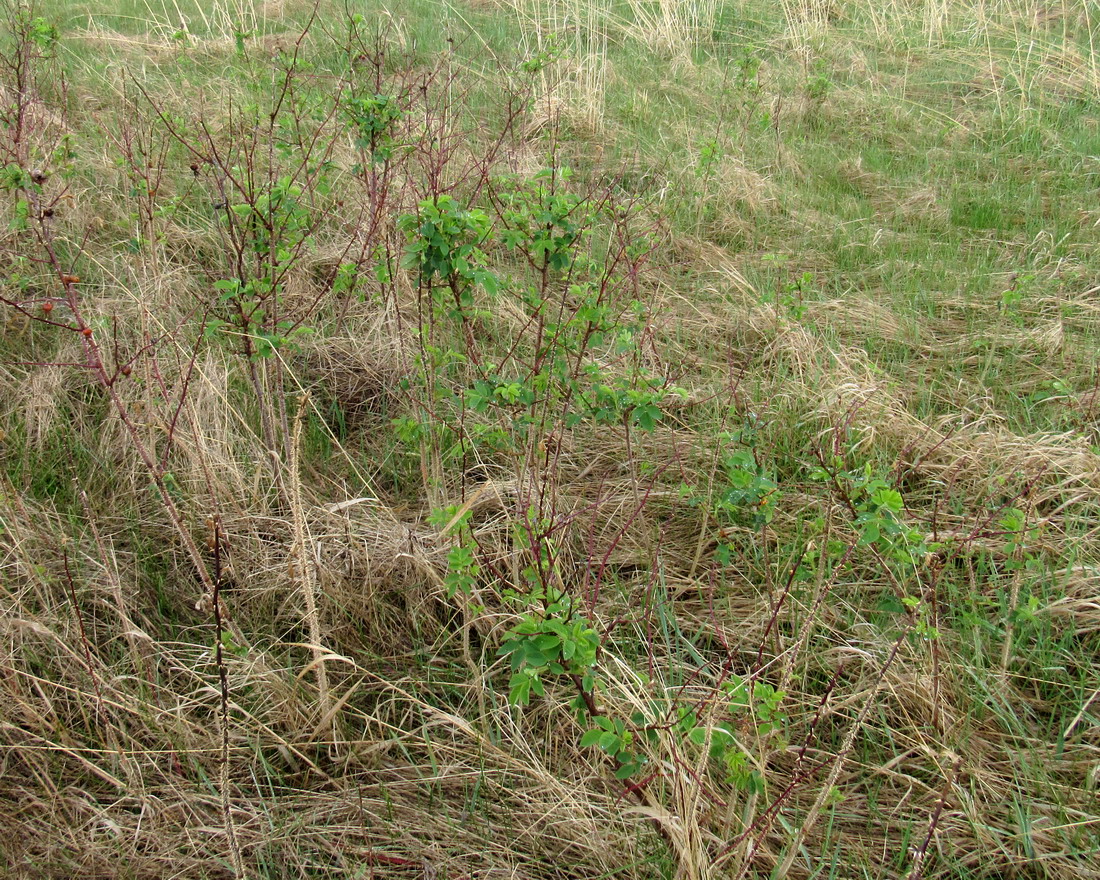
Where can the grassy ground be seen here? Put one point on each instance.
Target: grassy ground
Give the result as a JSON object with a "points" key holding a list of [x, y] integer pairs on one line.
{"points": [[516, 438]]}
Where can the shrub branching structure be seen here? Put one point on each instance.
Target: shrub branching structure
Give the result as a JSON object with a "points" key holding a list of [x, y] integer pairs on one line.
{"points": [[549, 439]]}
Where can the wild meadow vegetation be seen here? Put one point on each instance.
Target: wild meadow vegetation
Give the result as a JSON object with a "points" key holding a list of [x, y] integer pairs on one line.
{"points": [[550, 439]]}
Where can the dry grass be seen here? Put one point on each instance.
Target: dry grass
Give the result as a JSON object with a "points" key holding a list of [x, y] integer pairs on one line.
{"points": [[938, 718]]}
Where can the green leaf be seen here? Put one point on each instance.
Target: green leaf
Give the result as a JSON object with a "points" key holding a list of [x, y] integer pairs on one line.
{"points": [[890, 499], [891, 605], [531, 655], [591, 737], [698, 735], [548, 644], [646, 416], [520, 692]]}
